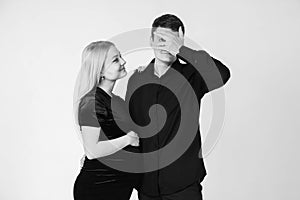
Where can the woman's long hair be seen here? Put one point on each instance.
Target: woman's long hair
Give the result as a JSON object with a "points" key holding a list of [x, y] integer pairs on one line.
{"points": [[93, 60]]}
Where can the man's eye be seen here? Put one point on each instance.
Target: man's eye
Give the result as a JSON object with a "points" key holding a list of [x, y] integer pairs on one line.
{"points": [[161, 40]]}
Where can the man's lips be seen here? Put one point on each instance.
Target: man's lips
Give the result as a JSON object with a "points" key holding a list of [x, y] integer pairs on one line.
{"points": [[164, 52]]}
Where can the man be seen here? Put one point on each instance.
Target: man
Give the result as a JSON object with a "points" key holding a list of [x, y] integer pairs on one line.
{"points": [[160, 84]]}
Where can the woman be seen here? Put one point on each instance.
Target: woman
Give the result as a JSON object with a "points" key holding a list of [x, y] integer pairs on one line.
{"points": [[102, 65]]}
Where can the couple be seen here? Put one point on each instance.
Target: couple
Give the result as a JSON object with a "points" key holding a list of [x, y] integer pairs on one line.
{"points": [[107, 129]]}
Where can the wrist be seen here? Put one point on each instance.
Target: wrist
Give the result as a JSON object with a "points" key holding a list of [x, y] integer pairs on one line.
{"points": [[127, 139], [178, 49]]}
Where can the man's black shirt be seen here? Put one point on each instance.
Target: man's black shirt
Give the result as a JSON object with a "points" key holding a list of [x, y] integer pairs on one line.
{"points": [[147, 94]]}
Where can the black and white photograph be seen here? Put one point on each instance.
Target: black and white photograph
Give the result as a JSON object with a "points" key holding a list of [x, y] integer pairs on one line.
{"points": [[150, 100]]}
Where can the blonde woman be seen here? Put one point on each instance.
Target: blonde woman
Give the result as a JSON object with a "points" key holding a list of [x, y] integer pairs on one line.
{"points": [[102, 65]]}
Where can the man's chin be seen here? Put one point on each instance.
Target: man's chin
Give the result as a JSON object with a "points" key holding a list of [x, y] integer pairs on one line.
{"points": [[166, 58]]}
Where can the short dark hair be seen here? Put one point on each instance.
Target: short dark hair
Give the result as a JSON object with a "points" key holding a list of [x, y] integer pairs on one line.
{"points": [[167, 21]]}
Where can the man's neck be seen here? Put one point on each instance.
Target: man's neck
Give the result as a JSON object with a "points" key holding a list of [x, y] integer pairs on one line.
{"points": [[160, 67]]}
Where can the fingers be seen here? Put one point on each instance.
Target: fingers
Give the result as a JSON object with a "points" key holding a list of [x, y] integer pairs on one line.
{"points": [[141, 68], [161, 45], [169, 34], [135, 135], [166, 33], [180, 32], [171, 39], [135, 139], [132, 134], [136, 143], [165, 36]]}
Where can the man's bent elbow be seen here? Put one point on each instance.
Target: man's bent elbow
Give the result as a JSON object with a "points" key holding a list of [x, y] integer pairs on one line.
{"points": [[226, 75]]}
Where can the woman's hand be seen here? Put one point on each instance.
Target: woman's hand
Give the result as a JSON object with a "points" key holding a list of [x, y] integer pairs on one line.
{"points": [[133, 139], [141, 68]]}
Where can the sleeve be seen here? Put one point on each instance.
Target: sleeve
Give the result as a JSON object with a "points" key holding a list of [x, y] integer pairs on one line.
{"points": [[213, 72], [87, 114]]}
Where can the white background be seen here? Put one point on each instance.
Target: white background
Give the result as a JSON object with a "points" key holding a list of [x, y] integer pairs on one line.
{"points": [[257, 156]]}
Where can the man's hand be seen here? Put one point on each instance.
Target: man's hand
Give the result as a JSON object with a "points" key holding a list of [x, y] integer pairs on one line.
{"points": [[172, 42]]}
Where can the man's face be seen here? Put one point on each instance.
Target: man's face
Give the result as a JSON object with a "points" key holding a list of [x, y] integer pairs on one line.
{"points": [[162, 55]]}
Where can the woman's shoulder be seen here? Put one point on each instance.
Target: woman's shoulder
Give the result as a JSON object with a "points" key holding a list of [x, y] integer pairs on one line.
{"points": [[86, 113], [87, 101], [93, 102]]}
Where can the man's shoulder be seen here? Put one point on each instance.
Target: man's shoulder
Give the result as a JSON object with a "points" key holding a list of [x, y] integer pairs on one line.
{"points": [[138, 73], [187, 68]]}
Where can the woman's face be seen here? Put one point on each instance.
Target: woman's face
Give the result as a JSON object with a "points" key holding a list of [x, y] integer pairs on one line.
{"points": [[114, 65]]}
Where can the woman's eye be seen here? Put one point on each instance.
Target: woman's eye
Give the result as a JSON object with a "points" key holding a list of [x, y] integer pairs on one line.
{"points": [[116, 60]]}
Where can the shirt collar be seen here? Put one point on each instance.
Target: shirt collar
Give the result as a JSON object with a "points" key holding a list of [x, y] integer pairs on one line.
{"points": [[175, 65]]}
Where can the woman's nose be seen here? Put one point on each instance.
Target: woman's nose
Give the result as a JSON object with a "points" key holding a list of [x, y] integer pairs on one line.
{"points": [[123, 62]]}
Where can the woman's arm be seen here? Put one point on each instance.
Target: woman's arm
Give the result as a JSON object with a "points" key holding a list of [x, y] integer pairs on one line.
{"points": [[95, 149]]}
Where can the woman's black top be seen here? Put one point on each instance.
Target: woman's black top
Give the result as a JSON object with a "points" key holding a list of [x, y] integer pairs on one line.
{"points": [[99, 109]]}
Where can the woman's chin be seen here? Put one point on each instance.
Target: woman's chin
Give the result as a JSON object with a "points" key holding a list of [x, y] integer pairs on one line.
{"points": [[123, 74]]}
